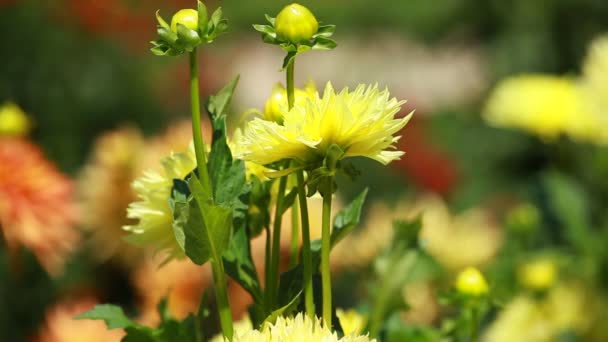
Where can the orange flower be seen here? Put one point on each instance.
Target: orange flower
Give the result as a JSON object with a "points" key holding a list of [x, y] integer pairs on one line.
{"points": [[36, 208], [60, 325]]}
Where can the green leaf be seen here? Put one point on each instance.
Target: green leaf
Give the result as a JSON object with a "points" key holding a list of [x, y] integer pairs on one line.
{"points": [[568, 203], [284, 310], [239, 265], [348, 218], [270, 19], [179, 331], [162, 21], [139, 335], [289, 59], [187, 37], [266, 29], [113, 315], [166, 34], [206, 237], [288, 200], [325, 31], [217, 104], [202, 18], [322, 43]]}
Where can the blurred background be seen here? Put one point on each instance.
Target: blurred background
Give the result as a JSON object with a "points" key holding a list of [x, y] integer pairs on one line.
{"points": [[506, 157]]}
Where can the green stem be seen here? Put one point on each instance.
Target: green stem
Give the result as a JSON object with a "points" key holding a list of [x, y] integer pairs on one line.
{"points": [[474, 324], [267, 275], [306, 254], [290, 85], [325, 249], [197, 135], [222, 298], [295, 235], [273, 284]]}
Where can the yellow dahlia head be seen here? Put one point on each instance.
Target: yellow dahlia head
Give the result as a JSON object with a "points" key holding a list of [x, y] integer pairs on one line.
{"points": [[276, 106], [152, 210], [296, 329], [538, 274], [361, 123]]}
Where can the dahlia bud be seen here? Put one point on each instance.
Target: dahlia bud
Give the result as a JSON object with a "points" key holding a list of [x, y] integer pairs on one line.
{"points": [[187, 17], [295, 23], [471, 282], [537, 275]]}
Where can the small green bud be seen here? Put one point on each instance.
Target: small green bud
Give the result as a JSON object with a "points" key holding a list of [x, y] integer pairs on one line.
{"points": [[295, 23], [471, 282], [187, 17]]}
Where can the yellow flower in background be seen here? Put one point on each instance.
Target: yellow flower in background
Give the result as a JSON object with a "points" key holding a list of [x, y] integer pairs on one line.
{"points": [[538, 274], [471, 282], [566, 307], [351, 321], [595, 84], [295, 23], [154, 228], [276, 106], [13, 120], [542, 104], [361, 123], [296, 329]]}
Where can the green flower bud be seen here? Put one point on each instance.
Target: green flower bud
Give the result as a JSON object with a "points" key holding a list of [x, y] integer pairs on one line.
{"points": [[187, 17], [471, 282], [295, 23]]}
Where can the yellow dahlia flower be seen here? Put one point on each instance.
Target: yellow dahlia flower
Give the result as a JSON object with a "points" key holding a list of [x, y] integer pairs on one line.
{"points": [[538, 274], [361, 123], [153, 211], [276, 106], [351, 321], [296, 329]]}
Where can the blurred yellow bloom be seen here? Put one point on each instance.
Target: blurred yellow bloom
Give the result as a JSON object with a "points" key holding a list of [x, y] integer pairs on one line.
{"points": [[351, 321], [361, 123], [60, 325], [295, 23], [154, 228], [276, 106], [565, 308], [595, 84], [13, 121], [296, 329], [471, 282], [538, 274]]}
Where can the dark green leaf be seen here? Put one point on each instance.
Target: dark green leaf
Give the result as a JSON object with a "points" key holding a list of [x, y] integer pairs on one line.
{"points": [[139, 335], [202, 18], [187, 37], [348, 218], [239, 265], [288, 200], [284, 310]]}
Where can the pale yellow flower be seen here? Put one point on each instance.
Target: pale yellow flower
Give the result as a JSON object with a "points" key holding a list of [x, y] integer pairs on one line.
{"points": [[295, 329], [538, 274], [154, 228], [276, 106], [351, 321], [595, 85], [361, 123]]}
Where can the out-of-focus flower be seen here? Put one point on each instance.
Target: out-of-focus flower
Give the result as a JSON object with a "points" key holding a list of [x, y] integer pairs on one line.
{"points": [[538, 274], [154, 227], [13, 121], [471, 282], [60, 325], [181, 281], [566, 307], [595, 84], [118, 158], [421, 299], [295, 23], [300, 328], [351, 321], [470, 238], [105, 193], [37, 210], [276, 106], [361, 123], [523, 217], [241, 327]]}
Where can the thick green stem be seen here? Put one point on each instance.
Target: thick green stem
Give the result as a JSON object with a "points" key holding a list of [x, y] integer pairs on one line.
{"points": [[306, 254], [325, 249], [272, 286], [295, 235], [474, 324], [197, 135], [221, 296]]}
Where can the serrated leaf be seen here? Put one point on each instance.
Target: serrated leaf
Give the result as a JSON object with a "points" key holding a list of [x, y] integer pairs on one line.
{"points": [[239, 265], [208, 229], [113, 315], [217, 104], [348, 218]]}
